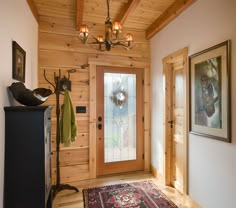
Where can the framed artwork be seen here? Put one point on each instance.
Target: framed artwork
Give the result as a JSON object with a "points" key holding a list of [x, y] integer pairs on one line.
{"points": [[210, 92], [18, 62]]}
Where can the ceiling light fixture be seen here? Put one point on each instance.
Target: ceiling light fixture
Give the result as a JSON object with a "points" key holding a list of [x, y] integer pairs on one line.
{"points": [[112, 39]]}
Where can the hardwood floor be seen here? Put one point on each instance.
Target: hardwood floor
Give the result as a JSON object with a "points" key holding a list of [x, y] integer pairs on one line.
{"points": [[70, 199]]}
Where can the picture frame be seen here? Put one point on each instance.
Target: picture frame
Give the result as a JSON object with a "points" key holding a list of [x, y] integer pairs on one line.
{"points": [[18, 62], [210, 92]]}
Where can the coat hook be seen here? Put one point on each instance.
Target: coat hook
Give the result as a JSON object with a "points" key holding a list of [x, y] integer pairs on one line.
{"points": [[44, 74]]}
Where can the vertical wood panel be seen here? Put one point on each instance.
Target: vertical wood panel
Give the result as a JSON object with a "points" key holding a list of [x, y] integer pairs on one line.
{"points": [[92, 121], [147, 120]]}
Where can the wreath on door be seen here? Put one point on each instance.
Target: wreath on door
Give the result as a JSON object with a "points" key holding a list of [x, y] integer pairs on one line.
{"points": [[119, 97]]}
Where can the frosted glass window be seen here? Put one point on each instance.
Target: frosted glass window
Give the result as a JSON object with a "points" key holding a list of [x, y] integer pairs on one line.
{"points": [[120, 117]]}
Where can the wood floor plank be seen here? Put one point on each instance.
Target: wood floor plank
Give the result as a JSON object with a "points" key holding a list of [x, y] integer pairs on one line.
{"points": [[71, 199]]}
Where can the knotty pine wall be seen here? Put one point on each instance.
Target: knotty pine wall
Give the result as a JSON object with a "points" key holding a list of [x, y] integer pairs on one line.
{"points": [[60, 48]]}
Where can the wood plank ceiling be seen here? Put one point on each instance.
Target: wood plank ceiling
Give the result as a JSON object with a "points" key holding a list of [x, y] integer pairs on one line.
{"points": [[141, 15]]}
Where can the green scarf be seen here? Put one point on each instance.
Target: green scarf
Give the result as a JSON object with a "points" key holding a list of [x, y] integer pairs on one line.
{"points": [[68, 121]]}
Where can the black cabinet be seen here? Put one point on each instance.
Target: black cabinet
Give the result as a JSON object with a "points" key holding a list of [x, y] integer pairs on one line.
{"points": [[27, 174]]}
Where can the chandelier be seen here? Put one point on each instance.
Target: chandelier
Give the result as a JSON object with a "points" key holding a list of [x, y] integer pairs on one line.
{"points": [[112, 36]]}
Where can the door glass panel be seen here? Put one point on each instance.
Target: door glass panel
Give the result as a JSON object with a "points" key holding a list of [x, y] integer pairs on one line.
{"points": [[119, 117]]}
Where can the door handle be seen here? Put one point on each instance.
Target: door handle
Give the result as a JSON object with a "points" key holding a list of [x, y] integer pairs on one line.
{"points": [[99, 126], [171, 122], [100, 118]]}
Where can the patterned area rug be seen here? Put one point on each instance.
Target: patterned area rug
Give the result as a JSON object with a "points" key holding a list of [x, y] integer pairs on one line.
{"points": [[144, 194]]}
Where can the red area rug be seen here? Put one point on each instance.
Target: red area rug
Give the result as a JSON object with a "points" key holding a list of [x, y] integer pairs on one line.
{"points": [[144, 194]]}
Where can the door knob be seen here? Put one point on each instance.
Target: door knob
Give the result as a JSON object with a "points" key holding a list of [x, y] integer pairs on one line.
{"points": [[99, 126]]}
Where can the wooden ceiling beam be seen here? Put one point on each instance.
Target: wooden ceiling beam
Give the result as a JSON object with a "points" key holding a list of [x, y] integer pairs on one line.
{"points": [[79, 13], [170, 14], [127, 10], [33, 9]]}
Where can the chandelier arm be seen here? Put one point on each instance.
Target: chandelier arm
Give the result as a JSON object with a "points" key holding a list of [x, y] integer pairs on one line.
{"points": [[93, 37], [120, 44], [111, 30], [97, 48], [119, 40], [128, 47], [96, 43]]}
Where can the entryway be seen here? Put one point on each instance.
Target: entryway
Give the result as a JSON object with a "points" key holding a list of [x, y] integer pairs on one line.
{"points": [[176, 120]]}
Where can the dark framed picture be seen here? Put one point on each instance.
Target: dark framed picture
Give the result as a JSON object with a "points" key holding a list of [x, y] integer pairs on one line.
{"points": [[210, 92], [18, 62]]}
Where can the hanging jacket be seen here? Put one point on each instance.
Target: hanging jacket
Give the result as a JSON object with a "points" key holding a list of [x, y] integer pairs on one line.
{"points": [[68, 121]]}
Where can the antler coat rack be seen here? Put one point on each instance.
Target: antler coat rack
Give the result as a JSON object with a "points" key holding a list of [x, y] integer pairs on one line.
{"points": [[60, 84]]}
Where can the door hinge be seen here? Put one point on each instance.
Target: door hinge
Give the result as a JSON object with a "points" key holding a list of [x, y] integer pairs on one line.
{"points": [[143, 156], [143, 81], [143, 119]]}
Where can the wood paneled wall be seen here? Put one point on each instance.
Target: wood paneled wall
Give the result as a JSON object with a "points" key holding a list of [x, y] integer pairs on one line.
{"points": [[60, 48]]}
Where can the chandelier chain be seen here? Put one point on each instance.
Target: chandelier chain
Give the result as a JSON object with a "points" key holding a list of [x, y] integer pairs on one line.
{"points": [[108, 9]]}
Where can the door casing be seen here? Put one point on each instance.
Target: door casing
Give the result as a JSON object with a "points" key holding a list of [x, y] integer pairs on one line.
{"points": [[167, 61], [93, 63]]}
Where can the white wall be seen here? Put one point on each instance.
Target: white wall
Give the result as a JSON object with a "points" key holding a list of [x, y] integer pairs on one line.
{"points": [[16, 23], [212, 163]]}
